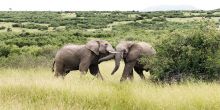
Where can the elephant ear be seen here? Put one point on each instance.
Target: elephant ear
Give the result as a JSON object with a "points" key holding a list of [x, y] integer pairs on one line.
{"points": [[126, 48], [129, 46], [93, 46]]}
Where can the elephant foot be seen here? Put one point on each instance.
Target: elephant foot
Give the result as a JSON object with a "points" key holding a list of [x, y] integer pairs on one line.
{"points": [[122, 79], [63, 77], [100, 77], [143, 77], [82, 74], [131, 78], [56, 75]]}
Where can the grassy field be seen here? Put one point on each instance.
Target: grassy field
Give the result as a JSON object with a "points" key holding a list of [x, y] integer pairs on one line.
{"points": [[38, 89]]}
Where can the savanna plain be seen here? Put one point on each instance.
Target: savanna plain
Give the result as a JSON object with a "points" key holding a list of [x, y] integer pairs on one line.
{"points": [[187, 44]]}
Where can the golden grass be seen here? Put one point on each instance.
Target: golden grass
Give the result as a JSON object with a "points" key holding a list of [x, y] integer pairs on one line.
{"points": [[38, 89]]}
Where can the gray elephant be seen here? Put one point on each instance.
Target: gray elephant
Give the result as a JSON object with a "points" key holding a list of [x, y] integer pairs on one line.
{"points": [[131, 52], [81, 57]]}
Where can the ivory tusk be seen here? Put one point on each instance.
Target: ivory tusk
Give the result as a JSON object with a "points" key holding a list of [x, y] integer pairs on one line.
{"points": [[113, 52]]}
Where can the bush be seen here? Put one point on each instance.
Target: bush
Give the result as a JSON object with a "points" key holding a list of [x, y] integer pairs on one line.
{"points": [[35, 26], [24, 34], [54, 24], [9, 29], [161, 18], [193, 54], [2, 27], [48, 51], [27, 56], [25, 61], [4, 50], [17, 25]]}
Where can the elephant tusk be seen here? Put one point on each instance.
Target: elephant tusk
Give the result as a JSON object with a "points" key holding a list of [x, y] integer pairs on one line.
{"points": [[113, 52]]}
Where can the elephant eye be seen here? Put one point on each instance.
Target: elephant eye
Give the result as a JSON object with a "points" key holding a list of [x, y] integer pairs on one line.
{"points": [[106, 44]]}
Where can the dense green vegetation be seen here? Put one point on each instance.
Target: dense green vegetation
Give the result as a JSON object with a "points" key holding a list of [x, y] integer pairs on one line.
{"points": [[192, 54], [30, 39]]}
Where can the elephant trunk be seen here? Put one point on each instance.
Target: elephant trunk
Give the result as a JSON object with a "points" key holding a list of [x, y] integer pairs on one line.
{"points": [[109, 57], [118, 57]]}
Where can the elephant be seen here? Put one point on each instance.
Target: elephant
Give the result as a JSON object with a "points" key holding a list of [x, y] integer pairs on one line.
{"points": [[81, 57], [131, 52]]}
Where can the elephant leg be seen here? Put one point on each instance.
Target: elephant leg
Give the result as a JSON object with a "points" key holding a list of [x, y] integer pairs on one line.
{"points": [[59, 70], [66, 71], [127, 70], [94, 70], [84, 66], [140, 72], [131, 75], [147, 69]]}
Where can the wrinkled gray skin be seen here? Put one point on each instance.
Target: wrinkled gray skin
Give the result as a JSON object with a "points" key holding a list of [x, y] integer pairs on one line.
{"points": [[81, 57], [130, 52]]}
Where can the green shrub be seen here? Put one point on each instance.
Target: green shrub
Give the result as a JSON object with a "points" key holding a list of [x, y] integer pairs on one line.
{"points": [[192, 54], [35, 26], [24, 34], [17, 25], [48, 51], [25, 61], [4, 50], [54, 24], [2, 27], [9, 29], [161, 18]]}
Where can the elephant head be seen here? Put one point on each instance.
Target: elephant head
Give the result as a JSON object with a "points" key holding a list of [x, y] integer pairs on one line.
{"points": [[134, 50], [100, 47]]}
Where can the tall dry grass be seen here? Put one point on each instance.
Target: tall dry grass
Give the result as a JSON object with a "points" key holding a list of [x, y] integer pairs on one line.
{"points": [[38, 89]]}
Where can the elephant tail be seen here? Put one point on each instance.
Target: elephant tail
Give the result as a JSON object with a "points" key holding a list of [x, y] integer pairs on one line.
{"points": [[53, 66]]}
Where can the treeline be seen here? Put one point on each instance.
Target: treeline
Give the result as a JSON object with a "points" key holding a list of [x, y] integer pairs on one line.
{"points": [[18, 43], [180, 14], [85, 20], [96, 19], [163, 25]]}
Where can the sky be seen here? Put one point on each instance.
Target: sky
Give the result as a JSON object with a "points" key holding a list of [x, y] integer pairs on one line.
{"points": [[101, 5]]}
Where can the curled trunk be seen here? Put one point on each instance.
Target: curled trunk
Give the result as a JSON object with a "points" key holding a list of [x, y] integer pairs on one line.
{"points": [[118, 57]]}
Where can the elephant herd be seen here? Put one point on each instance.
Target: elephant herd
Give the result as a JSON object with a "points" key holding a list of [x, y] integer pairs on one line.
{"points": [[89, 56]]}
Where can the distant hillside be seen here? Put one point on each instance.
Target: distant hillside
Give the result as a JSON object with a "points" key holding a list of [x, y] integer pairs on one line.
{"points": [[217, 9], [170, 7]]}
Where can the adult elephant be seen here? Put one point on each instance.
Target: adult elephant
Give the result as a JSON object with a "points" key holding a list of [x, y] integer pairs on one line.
{"points": [[130, 52], [81, 57]]}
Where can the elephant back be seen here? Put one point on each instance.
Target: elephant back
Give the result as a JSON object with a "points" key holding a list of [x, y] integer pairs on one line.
{"points": [[67, 50], [124, 46], [146, 48]]}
